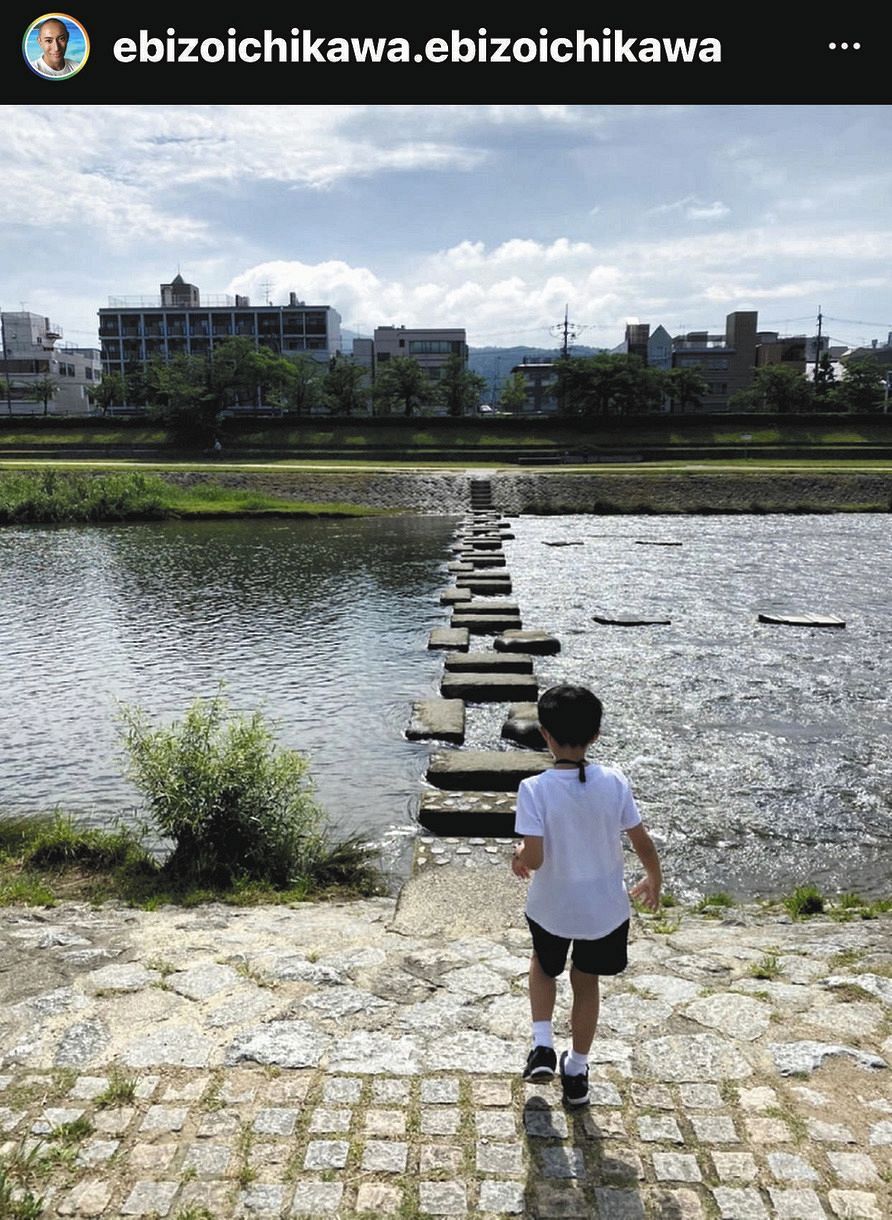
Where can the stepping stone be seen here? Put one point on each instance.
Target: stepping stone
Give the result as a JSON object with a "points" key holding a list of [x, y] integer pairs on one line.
{"points": [[522, 726], [803, 620], [488, 687], [501, 608], [629, 620], [484, 544], [490, 662], [487, 624], [454, 594], [443, 719], [481, 559], [563, 543], [484, 584], [484, 770], [538, 643], [449, 637], [458, 565], [487, 814], [654, 542]]}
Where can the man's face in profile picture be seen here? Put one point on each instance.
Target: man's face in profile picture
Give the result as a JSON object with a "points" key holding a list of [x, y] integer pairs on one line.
{"points": [[52, 37]]}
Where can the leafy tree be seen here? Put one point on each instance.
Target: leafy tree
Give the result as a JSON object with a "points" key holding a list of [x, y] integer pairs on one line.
{"points": [[110, 390], [825, 377], [777, 388], [862, 387], [684, 388], [401, 381], [342, 386], [514, 393], [303, 388], [459, 390], [607, 385], [42, 389], [179, 393], [6, 388]]}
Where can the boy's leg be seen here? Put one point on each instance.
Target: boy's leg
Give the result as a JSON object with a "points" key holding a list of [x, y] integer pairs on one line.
{"points": [[543, 990], [585, 1010]]}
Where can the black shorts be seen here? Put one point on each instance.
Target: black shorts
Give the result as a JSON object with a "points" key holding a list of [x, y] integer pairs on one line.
{"points": [[606, 955]]}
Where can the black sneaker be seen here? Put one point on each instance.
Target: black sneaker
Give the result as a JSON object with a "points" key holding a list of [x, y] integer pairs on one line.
{"points": [[575, 1088], [541, 1062]]}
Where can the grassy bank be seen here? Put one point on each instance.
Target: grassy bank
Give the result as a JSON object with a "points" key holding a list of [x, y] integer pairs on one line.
{"points": [[53, 496], [49, 859], [362, 436]]}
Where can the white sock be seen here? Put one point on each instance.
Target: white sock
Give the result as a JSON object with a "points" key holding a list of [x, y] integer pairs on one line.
{"points": [[575, 1065], [542, 1035]]}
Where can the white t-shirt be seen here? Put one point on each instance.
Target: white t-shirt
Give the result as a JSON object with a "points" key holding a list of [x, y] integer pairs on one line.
{"points": [[579, 892], [40, 65]]}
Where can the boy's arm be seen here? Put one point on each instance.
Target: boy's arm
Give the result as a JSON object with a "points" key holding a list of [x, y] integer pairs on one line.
{"points": [[648, 888], [528, 855]]}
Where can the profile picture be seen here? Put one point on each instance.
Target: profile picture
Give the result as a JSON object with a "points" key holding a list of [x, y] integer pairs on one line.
{"points": [[56, 46]]}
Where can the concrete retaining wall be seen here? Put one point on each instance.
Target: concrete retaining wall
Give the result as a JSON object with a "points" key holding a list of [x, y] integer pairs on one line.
{"points": [[564, 492]]}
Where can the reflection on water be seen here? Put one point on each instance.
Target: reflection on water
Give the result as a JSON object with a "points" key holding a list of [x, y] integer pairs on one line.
{"points": [[762, 755], [324, 624]]}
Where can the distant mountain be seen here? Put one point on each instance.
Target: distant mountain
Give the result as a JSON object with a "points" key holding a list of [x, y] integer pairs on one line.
{"points": [[494, 364]]}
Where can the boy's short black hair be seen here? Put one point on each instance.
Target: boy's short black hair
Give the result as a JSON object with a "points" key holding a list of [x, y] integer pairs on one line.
{"points": [[571, 714]]}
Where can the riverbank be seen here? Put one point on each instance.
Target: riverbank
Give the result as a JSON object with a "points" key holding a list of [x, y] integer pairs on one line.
{"points": [[363, 1059], [604, 491]]}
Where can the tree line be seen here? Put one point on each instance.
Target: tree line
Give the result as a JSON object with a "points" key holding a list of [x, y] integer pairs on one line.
{"points": [[192, 390]]}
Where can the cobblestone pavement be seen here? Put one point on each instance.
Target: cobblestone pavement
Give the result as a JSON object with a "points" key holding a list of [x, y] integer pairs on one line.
{"points": [[322, 1060]]}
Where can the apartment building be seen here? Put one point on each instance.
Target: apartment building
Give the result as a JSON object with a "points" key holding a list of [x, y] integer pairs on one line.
{"points": [[431, 347], [35, 365], [180, 321]]}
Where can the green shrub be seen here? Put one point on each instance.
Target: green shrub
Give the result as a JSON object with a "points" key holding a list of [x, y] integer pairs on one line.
{"points": [[235, 804], [56, 496], [805, 900]]}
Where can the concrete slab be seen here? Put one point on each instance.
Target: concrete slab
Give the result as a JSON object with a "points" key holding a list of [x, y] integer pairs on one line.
{"points": [[484, 770], [456, 638], [481, 584], [537, 643], [480, 559], [630, 620], [488, 687], [490, 662], [802, 620], [468, 813], [458, 565], [442, 719], [522, 726], [487, 624], [454, 594]]}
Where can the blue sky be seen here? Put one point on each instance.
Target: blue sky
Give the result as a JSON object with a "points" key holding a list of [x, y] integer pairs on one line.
{"points": [[488, 217]]}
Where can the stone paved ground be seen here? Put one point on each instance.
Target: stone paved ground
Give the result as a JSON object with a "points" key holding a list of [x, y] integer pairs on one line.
{"points": [[333, 1060]]}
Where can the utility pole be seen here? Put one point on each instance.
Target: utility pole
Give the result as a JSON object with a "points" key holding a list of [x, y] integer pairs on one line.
{"points": [[818, 347], [569, 330], [495, 383]]}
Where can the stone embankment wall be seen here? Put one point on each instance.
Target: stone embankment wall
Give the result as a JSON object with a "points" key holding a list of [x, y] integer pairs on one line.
{"points": [[565, 492]]}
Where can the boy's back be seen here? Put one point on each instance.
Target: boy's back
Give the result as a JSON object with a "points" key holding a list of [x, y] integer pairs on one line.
{"points": [[578, 891]]}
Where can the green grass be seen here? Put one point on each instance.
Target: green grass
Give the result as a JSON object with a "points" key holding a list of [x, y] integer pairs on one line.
{"points": [[721, 899], [805, 900], [767, 968], [120, 1090], [48, 859], [53, 495]]}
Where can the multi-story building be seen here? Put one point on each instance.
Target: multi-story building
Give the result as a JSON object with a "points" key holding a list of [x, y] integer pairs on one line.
{"points": [[431, 347], [39, 374], [135, 330], [540, 379], [726, 362]]}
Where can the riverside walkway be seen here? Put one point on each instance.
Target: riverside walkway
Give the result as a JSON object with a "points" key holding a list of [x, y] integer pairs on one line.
{"points": [[363, 1059]]}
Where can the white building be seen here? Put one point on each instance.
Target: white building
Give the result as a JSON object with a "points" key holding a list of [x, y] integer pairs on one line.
{"points": [[431, 347], [135, 330], [34, 367]]}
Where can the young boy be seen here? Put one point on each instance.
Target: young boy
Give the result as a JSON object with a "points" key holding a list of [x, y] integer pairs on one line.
{"points": [[572, 818]]}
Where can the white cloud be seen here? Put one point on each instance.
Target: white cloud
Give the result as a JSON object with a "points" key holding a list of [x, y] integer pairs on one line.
{"points": [[693, 208]]}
